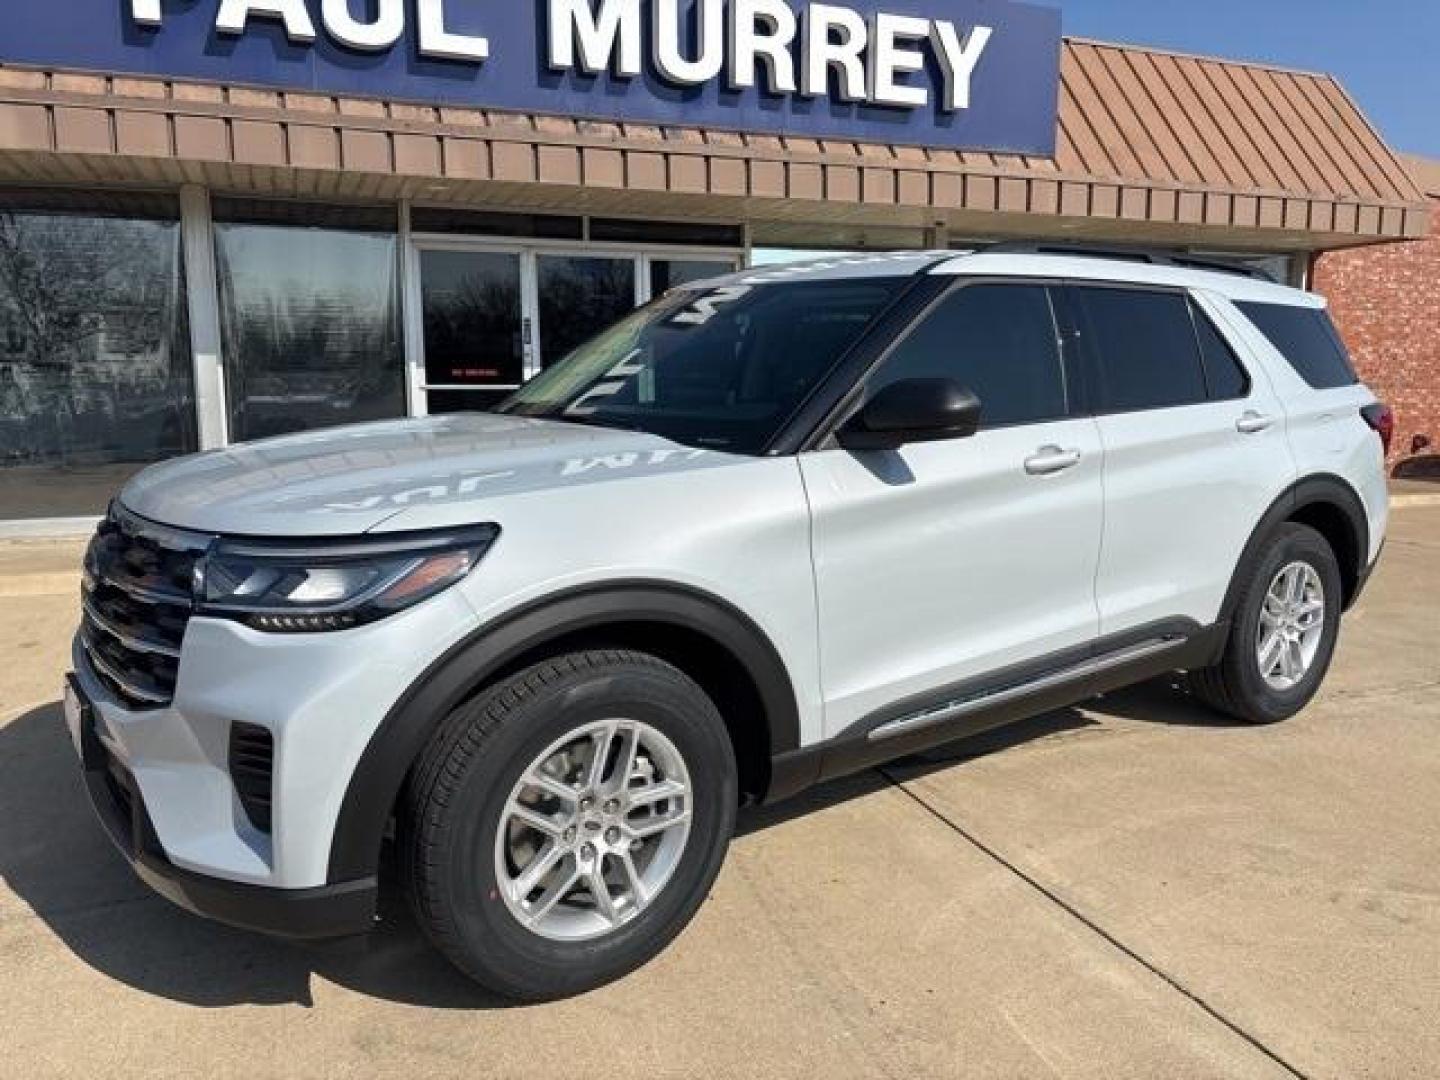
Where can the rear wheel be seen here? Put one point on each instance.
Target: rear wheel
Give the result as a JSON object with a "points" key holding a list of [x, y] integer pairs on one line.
{"points": [[566, 824], [1283, 632]]}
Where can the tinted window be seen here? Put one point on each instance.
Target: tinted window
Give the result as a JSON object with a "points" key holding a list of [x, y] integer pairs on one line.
{"points": [[1223, 374], [1144, 344], [998, 340], [723, 367], [1306, 337]]}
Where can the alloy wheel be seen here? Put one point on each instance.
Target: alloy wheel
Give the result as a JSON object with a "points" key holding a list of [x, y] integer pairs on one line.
{"points": [[593, 830], [1292, 625]]}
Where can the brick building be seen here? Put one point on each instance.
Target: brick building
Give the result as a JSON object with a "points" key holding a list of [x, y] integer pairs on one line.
{"points": [[1386, 300]]}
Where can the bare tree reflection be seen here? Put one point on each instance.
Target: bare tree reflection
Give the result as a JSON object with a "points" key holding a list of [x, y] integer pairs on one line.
{"points": [[311, 327], [579, 297], [94, 348]]}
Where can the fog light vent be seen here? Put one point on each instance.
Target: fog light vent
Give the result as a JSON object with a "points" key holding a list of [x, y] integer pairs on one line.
{"points": [[252, 769]]}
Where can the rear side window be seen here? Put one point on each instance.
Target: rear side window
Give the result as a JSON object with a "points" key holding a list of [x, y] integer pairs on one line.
{"points": [[1307, 339], [1224, 375], [1145, 347], [997, 340]]}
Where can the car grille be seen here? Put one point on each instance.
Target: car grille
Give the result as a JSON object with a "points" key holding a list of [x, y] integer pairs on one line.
{"points": [[136, 600]]}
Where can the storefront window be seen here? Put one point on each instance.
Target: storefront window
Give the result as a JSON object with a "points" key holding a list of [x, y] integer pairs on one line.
{"points": [[667, 274], [95, 372], [580, 295], [310, 319]]}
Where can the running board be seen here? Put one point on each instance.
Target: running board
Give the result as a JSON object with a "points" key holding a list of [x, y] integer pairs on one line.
{"points": [[954, 710]]}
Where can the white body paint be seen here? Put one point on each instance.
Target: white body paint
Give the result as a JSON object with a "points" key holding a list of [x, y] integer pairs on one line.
{"points": [[870, 590]]}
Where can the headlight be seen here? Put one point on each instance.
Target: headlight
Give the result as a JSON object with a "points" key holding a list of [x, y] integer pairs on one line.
{"points": [[288, 587]]}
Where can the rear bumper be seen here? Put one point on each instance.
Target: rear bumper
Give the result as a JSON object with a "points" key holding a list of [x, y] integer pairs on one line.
{"points": [[1363, 578], [334, 910]]}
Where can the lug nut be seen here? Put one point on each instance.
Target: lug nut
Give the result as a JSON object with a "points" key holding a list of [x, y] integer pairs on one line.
{"points": [[587, 852], [612, 836], [612, 805]]}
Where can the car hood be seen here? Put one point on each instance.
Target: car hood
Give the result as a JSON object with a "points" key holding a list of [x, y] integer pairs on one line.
{"points": [[349, 480]]}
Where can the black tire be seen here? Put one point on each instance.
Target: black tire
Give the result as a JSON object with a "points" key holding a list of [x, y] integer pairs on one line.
{"points": [[1235, 685], [454, 802]]}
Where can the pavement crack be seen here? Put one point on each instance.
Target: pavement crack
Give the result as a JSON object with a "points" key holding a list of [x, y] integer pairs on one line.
{"points": [[1070, 909]]}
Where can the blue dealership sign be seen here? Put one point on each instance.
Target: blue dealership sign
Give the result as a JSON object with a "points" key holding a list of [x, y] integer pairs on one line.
{"points": [[972, 74]]}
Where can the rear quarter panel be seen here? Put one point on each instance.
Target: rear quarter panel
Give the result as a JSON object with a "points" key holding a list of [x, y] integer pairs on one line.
{"points": [[1326, 432]]}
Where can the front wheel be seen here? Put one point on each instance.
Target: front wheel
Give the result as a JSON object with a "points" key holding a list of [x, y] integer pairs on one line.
{"points": [[566, 824], [1283, 634]]}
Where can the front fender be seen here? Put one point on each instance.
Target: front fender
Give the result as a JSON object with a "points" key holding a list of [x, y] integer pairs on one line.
{"points": [[476, 660]]}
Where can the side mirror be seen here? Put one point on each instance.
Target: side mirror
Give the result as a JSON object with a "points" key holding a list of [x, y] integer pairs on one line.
{"points": [[912, 411]]}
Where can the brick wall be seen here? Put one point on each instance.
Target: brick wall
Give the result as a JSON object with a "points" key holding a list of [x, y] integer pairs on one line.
{"points": [[1386, 302]]}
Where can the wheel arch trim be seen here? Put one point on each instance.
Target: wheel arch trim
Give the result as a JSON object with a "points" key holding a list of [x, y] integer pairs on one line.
{"points": [[1321, 489], [468, 665]]}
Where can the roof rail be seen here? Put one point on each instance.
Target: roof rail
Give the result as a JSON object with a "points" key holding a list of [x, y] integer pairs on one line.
{"points": [[1152, 256]]}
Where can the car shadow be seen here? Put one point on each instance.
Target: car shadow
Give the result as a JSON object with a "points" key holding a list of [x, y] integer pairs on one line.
{"points": [[969, 748], [56, 858], [1164, 700]]}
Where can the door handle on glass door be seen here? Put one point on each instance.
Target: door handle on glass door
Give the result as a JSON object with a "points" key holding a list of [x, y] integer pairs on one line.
{"points": [[1051, 459], [1252, 422]]}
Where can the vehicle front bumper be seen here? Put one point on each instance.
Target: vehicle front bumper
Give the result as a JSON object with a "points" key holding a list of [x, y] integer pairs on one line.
{"points": [[160, 777], [324, 911]]}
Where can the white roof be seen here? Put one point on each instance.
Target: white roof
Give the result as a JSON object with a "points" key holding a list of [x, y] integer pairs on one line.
{"points": [[1078, 267], [1233, 286]]}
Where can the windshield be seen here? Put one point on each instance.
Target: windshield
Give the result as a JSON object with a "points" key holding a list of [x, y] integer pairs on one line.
{"points": [[722, 367]]}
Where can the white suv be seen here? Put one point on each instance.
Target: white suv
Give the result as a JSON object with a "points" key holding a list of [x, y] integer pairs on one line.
{"points": [[768, 530]]}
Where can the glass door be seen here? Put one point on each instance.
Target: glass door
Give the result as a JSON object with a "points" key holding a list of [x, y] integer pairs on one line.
{"points": [[580, 295], [476, 336], [668, 272], [493, 314]]}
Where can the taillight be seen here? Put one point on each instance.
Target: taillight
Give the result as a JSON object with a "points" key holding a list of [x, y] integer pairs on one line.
{"points": [[1381, 419]]}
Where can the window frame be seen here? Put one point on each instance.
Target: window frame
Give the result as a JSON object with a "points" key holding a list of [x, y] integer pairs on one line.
{"points": [[1072, 377]]}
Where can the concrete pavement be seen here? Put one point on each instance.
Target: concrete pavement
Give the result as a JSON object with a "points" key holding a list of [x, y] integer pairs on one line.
{"points": [[1132, 888]]}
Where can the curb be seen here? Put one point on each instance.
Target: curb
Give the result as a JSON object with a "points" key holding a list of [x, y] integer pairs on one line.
{"points": [[1414, 501]]}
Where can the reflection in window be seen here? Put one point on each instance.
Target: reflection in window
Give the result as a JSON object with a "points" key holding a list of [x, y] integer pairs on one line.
{"points": [[439, 402], [722, 368], [999, 342], [579, 297], [310, 323], [1149, 356], [471, 306], [95, 372]]}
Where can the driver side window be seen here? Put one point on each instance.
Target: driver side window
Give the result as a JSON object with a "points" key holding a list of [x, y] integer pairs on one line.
{"points": [[999, 341]]}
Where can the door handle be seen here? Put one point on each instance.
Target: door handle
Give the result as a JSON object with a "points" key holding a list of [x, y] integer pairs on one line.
{"points": [[1252, 422], [1051, 459]]}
